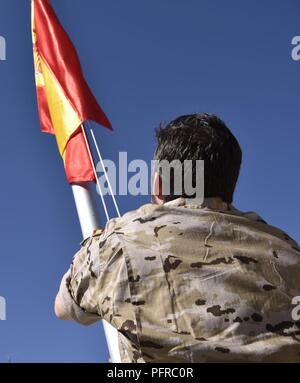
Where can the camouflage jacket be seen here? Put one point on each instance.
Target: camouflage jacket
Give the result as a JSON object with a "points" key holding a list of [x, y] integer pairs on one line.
{"points": [[189, 282]]}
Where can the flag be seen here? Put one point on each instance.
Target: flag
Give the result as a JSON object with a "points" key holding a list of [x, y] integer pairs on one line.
{"points": [[64, 98]]}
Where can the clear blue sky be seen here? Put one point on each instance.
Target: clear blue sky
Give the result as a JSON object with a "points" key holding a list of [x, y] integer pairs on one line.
{"points": [[147, 62]]}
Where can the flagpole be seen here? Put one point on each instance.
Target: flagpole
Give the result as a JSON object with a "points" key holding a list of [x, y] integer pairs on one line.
{"points": [[61, 105], [89, 221]]}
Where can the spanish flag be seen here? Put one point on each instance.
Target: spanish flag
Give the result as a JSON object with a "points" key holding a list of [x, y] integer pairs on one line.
{"points": [[64, 98]]}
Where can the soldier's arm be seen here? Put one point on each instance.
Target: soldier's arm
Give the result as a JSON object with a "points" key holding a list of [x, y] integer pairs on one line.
{"points": [[82, 288], [60, 310]]}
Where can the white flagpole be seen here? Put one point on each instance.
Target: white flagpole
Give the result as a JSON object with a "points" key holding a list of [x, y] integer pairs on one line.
{"points": [[89, 221]]}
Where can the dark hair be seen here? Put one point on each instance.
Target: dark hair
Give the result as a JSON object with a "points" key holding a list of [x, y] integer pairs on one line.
{"points": [[202, 137]]}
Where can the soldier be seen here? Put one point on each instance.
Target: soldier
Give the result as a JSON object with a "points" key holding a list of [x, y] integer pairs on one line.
{"points": [[190, 280]]}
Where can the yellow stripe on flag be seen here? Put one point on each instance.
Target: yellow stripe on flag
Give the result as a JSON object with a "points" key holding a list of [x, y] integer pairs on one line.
{"points": [[65, 119]]}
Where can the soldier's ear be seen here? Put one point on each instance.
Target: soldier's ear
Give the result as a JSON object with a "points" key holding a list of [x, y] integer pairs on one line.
{"points": [[157, 189]]}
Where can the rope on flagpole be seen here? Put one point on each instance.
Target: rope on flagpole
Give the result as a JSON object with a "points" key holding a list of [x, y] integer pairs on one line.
{"points": [[87, 210], [94, 169], [105, 172]]}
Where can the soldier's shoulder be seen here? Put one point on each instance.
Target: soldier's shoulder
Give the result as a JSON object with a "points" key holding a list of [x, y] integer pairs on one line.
{"points": [[145, 213], [264, 226]]}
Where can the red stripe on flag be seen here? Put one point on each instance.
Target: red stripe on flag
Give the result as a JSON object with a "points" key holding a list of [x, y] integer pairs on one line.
{"points": [[77, 160]]}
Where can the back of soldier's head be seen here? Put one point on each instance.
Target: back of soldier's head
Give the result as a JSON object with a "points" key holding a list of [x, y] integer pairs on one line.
{"points": [[202, 137]]}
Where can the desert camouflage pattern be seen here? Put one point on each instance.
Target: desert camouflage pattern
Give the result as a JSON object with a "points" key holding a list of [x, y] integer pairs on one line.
{"points": [[192, 282]]}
